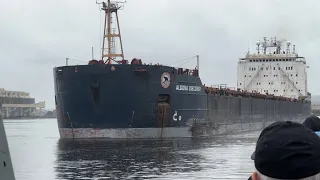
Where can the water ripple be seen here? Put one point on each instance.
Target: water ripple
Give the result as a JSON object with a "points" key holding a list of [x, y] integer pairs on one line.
{"points": [[37, 153]]}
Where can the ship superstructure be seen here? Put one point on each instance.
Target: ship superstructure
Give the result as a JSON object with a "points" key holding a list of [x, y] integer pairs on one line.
{"points": [[274, 70]]}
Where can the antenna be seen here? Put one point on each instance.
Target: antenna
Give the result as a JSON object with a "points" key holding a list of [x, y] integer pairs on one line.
{"points": [[258, 46], [108, 50], [288, 47], [92, 53]]}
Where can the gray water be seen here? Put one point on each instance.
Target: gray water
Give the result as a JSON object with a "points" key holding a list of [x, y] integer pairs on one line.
{"points": [[38, 154]]}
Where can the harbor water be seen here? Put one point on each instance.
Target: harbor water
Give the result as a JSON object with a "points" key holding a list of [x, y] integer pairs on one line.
{"points": [[38, 154]]}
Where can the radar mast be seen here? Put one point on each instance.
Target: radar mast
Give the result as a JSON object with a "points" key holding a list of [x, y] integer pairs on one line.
{"points": [[110, 33]]}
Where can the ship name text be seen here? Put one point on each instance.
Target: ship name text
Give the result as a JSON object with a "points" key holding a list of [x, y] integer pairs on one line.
{"points": [[188, 88]]}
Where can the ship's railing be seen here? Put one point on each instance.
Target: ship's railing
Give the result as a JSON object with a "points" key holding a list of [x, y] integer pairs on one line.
{"points": [[242, 93], [185, 71], [182, 71], [271, 55]]}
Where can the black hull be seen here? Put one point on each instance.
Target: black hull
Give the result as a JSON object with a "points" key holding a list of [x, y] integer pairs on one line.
{"points": [[129, 101]]}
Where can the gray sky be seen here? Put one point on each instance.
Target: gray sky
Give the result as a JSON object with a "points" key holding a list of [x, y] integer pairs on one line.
{"points": [[37, 35]]}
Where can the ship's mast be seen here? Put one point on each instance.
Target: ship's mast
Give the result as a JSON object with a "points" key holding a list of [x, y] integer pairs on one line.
{"points": [[273, 43], [110, 33]]}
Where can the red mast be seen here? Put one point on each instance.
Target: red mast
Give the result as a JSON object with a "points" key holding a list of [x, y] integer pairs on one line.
{"points": [[111, 32]]}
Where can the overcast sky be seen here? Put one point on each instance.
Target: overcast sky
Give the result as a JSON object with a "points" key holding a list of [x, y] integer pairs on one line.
{"points": [[37, 35]]}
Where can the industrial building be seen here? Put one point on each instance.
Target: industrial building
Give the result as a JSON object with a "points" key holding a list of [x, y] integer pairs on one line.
{"points": [[19, 104]]}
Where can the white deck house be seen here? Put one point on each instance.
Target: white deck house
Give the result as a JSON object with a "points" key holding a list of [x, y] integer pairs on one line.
{"points": [[278, 72]]}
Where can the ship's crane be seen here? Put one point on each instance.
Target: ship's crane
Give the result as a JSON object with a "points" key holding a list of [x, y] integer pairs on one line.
{"points": [[109, 33]]}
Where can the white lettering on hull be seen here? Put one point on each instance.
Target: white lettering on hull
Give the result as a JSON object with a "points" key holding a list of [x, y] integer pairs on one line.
{"points": [[175, 116], [188, 88]]}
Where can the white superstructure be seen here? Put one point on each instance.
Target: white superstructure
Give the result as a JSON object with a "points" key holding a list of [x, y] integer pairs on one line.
{"points": [[273, 70]]}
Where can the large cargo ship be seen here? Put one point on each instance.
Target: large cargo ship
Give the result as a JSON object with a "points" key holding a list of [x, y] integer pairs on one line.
{"points": [[115, 99]]}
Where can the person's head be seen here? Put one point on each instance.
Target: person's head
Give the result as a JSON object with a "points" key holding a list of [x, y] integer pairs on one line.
{"points": [[313, 123], [287, 150]]}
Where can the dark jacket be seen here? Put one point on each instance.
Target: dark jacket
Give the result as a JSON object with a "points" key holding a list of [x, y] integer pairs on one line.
{"points": [[313, 123]]}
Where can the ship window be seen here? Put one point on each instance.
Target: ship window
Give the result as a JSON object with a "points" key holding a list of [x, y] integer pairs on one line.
{"points": [[245, 75], [249, 75], [291, 67], [297, 75], [277, 59], [291, 90], [250, 60], [291, 74], [267, 68], [274, 68], [249, 69], [286, 68], [278, 68], [261, 68], [296, 82]]}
